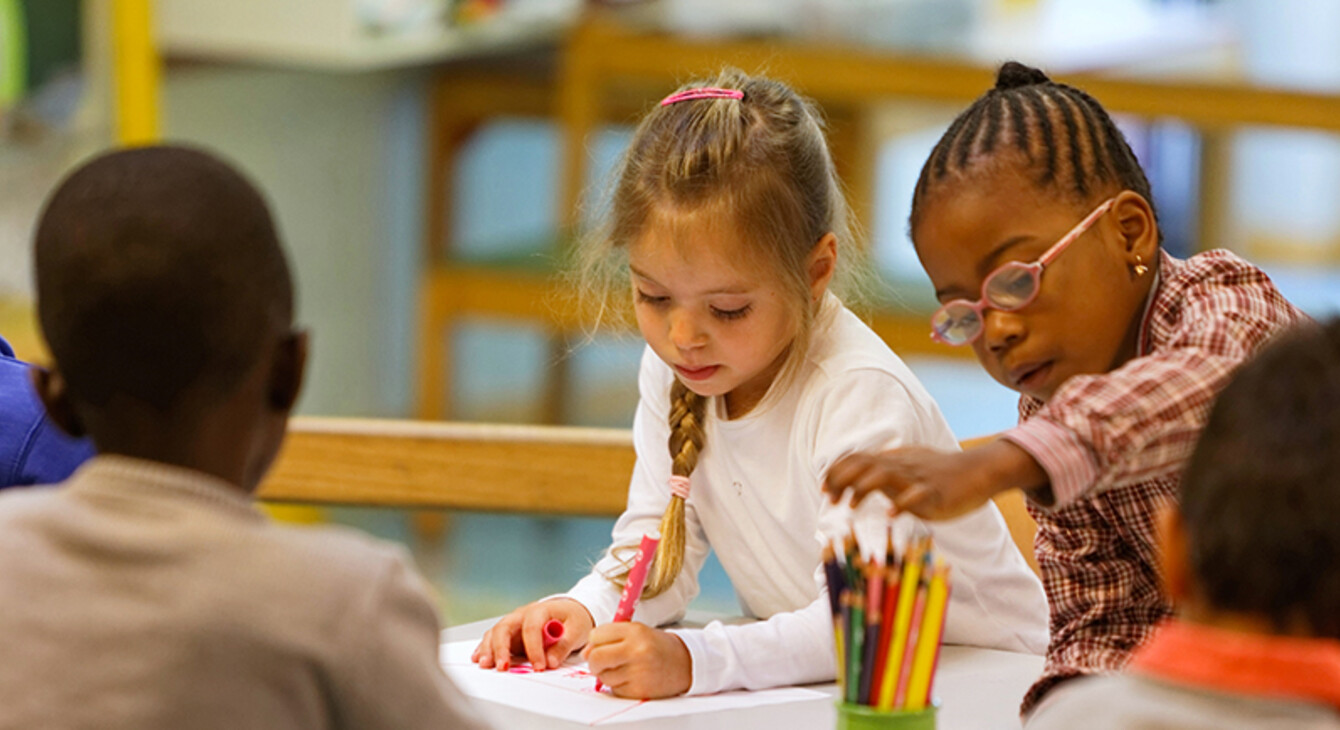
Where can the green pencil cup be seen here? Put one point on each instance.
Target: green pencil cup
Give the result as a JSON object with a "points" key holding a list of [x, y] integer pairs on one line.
{"points": [[864, 717]]}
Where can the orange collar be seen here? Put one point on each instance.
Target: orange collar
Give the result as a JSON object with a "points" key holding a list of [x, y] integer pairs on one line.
{"points": [[1248, 664]]}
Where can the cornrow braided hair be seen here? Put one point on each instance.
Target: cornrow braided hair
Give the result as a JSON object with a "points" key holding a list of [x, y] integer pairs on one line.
{"points": [[1063, 135]]}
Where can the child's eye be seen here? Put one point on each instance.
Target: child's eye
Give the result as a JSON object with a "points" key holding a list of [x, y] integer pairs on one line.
{"points": [[646, 298], [732, 313]]}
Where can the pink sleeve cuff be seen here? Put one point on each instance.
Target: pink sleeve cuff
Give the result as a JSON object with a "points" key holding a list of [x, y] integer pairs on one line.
{"points": [[1068, 462]]}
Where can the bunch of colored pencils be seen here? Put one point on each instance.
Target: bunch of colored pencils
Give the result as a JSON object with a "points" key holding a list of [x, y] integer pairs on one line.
{"points": [[888, 618]]}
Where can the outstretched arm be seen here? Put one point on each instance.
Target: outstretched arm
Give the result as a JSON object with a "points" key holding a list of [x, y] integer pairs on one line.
{"points": [[934, 484]]}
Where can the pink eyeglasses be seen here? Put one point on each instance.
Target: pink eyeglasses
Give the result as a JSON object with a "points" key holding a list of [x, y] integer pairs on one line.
{"points": [[1012, 286]]}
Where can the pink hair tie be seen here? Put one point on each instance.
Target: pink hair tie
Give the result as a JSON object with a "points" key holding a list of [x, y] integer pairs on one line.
{"points": [[706, 92], [679, 487]]}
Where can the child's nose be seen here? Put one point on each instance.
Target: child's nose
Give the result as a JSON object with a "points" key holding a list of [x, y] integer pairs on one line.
{"points": [[684, 331], [1001, 330]]}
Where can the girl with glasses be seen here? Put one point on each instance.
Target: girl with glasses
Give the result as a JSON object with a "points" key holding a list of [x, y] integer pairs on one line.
{"points": [[726, 228], [1037, 227]]}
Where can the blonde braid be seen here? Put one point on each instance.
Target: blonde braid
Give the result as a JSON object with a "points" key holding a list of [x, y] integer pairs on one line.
{"points": [[686, 443], [687, 410]]}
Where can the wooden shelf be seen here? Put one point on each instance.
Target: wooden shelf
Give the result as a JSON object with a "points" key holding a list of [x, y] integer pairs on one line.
{"points": [[856, 75], [584, 72], [326, 35]]}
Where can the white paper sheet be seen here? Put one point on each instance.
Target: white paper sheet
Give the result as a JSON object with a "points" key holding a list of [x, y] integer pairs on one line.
{"points": [[569, 692]]}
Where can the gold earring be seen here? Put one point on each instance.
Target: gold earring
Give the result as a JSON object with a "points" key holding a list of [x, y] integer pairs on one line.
{"points": [[1140, 267]]}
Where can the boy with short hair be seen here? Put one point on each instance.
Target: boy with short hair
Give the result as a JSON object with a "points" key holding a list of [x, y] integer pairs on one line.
{"points": [[1252, 559], [148, 591]]}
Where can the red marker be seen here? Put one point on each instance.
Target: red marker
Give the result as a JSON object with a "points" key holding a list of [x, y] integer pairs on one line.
{"points": [[632, 587], [553, 631]]}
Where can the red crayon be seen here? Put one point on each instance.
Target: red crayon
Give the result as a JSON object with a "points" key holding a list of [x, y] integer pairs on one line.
{"points": [[886, 628], [632, 587]]}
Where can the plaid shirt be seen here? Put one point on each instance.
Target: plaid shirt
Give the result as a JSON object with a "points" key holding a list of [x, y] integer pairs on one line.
{"points": [[1114, 446]]}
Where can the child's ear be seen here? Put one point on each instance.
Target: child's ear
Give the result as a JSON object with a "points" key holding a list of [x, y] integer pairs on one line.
{"points": [[288, 371], [1139, 231], [1172, 540], [822, 265], [55, 396]]}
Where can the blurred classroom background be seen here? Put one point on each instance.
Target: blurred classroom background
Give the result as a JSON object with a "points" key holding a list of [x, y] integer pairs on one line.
{"points": [[420, 158]]}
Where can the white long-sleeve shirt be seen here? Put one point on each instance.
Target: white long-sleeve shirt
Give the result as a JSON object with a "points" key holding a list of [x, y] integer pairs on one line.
{"points": [[756, 499]]}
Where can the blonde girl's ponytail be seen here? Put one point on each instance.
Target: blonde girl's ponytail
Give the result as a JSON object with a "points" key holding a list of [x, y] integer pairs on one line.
{"points": [[687, 410]]}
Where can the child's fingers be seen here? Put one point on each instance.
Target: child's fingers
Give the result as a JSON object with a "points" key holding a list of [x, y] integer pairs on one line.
{"points": [[601, 642], [613, 633], [847, 470], [504, 635], [485, 654], [532, 637], [483, 651], [605, 657], [556, 654], [878, 476], [616, 678]]}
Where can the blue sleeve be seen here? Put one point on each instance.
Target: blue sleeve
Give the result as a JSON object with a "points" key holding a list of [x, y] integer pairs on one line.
{"points": [[33, 450]]}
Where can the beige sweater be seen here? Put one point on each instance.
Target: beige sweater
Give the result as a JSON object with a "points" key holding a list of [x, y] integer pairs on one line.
{"points": [[143, 596]]}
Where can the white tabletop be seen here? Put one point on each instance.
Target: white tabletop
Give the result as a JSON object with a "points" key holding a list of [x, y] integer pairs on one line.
{"points": [[978, 689]]}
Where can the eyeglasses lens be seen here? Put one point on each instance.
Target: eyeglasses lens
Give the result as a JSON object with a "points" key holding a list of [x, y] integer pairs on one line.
{"points": [[1011, 287], [956, 324]]}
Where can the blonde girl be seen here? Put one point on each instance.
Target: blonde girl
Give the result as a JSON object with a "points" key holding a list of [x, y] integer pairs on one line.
{"points": [[728, 225]]}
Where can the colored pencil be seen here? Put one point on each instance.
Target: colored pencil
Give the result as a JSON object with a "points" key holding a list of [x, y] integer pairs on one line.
{"points": [[939, 644], [918, 685], [848, 565], [902, 619], [856, 648], [888, 622], [913, 634], [874, 605], [833, 572], [891, 585], [846, 600], [849, 560]]}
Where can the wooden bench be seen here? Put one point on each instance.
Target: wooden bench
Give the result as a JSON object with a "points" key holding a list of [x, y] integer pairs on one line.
{"points": [[543, 470]]}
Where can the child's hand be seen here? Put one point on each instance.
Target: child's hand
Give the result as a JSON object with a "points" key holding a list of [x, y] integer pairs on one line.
{"points": [[935, 485], [521, 632], [637, 661]]}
